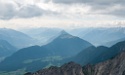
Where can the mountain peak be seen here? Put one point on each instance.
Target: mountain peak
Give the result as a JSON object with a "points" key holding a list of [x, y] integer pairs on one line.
{"points": [[64, 34]]}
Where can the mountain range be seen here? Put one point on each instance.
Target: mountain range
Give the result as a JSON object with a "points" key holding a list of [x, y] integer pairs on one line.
{"points": [[109, 61], [36, 49], [6, 49], [112, 66], [100, 36], [115, 66], [46, 35], [63, 46], [43, 35], [16, 38], [100, 53]]}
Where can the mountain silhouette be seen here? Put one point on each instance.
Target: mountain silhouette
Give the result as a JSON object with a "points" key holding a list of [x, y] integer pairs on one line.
{"points": [[67, 45], [93, 55]]}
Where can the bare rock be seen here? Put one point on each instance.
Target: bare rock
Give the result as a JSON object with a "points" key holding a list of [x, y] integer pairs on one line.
{"points": [[67, 69]]}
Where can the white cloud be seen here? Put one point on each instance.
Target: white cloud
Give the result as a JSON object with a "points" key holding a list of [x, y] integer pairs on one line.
{"points": [[36, 8], [29, 11], [61, 13], [60, 22], [7, 9]]}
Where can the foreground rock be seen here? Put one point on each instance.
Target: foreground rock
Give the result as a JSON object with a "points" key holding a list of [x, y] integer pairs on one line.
{"points": [[115, 66], [67, 69]]}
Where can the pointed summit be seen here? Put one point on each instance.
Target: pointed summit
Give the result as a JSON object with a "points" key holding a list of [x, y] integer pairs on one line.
{"points": [[67, 45], [63, 34]]}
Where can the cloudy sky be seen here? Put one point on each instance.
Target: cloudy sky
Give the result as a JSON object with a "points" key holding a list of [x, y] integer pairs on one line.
{"points": [[61, 13]]}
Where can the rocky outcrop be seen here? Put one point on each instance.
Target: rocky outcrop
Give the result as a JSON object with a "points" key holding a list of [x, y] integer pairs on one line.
{"points": [[67, 69], [88, 70], [114, 66], [123, 73]]}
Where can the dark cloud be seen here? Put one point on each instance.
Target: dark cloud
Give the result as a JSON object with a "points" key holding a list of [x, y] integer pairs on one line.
{"points": [[116, 9], [90, 1], [9, 10], [98, 5], [29, 11], [67, 1], [119, 12]]}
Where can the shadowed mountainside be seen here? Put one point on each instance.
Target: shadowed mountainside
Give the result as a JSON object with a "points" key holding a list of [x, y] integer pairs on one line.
{"points": [[6, 49], [100, 53], [115, 66]]}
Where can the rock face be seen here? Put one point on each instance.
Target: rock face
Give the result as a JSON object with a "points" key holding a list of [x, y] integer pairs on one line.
{"points": [[67, 69], [115, 66]]}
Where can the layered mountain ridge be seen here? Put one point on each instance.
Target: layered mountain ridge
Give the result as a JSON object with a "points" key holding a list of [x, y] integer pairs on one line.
{"points": [[51, 53], [115, 66], [6, 49], [16, 38], [62, 48], [95, 35], [100, 53]]}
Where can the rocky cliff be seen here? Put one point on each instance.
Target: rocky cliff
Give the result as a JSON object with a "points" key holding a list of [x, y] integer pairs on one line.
{"points": [[114, 66], [67, 69]]}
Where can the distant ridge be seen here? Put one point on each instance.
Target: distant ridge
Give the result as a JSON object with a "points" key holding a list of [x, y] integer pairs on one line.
{"points": [[93, 55], [6, 49], [16, 38]]}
